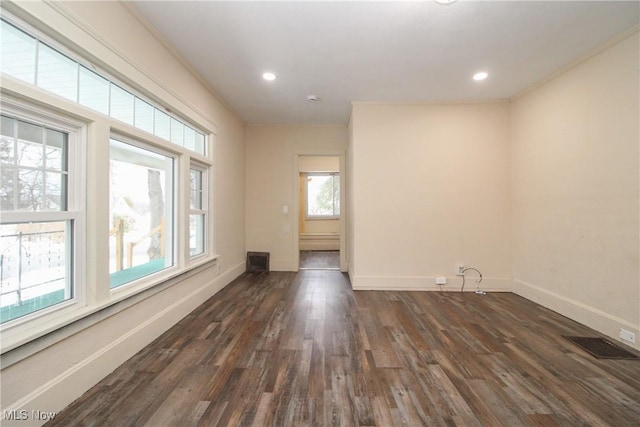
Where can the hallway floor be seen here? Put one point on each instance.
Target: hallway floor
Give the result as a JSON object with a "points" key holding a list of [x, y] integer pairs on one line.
{"points": [[320, 260]]}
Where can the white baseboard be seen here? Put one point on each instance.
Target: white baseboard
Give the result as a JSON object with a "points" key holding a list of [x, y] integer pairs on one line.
{"points": [[282, 265], [58, 392], [427, 283], [320, 245], [592, 317], [319, 242]]}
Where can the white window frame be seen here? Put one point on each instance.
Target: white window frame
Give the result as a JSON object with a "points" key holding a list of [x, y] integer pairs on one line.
{"points": [[306, 195], [204, 210], [80, 62], [74, 215], [93, 295], [156, 277]]}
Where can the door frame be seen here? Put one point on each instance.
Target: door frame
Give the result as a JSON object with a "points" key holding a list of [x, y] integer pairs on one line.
{"points": [[344, 265]]}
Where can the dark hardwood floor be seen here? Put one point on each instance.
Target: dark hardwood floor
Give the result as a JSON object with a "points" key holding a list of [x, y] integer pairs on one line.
{"points": [[320, 260], [303, 349]]}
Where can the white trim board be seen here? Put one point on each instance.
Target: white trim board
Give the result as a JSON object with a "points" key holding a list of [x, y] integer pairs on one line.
{"points": [[428, 283], [589, 316]]}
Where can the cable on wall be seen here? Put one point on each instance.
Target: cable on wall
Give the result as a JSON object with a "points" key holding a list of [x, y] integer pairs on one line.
{"points": [[478, 290]]}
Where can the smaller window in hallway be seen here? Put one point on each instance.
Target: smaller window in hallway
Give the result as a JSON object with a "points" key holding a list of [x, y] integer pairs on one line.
{"points": [[323, 195]]}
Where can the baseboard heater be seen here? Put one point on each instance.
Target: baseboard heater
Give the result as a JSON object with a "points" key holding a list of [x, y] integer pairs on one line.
{"points": [[319, 241]]}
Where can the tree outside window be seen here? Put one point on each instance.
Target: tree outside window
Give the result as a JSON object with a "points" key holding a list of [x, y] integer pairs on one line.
{"points": [[35, 269], [323, 195]]}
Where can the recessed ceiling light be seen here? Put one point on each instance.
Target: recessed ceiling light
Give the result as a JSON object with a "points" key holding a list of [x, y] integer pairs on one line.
{"points": [[313, 98], [268, 76], [480, 76], [445, 2]]}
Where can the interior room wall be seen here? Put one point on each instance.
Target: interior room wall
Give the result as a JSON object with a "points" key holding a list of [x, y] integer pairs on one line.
{"points": [[54, 376], [272, 183], [575, 180], [429, 190], [319, 164]]}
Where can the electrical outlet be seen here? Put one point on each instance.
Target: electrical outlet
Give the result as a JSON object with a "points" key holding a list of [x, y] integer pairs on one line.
{"points": [[627, 336], [459, 269], [441, 280]]}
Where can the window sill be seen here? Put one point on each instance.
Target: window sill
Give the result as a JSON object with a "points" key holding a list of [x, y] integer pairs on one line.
{"points": [[23, 340]]}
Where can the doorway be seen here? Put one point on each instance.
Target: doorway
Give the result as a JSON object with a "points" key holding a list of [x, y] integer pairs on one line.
{"points": [[319, 210]]}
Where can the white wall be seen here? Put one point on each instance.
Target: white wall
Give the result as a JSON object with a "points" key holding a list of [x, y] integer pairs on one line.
{"points": [[50, 373], [430, 190], [319, 164], [575, 180], [349, 235], [272, 182]]}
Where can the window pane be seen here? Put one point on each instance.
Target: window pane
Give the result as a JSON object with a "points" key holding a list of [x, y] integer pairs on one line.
{"points": [[140, 212], [7, 150], [34, 267], [196, 234], [144, 115], [321, 195], [94, 91], [18, 53], [121, 104], [55, 187], [7, 127], [36, 179], [8, 179], [30, 183], [57, 73], [56, 150], [7, 141], [200, 146], [177, 132], [30, 132], [30, 147], [189, 138], [196, 189], [162, 125]]}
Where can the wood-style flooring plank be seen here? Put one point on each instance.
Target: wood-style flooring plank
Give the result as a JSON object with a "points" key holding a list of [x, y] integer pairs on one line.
{"points": [[303, 349]]}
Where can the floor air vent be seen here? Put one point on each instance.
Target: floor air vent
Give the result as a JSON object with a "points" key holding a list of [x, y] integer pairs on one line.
{"points": [[601, 348], [257, 262]]}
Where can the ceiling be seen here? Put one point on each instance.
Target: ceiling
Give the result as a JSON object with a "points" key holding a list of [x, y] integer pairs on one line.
{"points": [[401, 51]]}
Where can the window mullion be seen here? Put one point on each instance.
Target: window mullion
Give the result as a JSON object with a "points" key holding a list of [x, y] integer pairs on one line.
{"points": [[15, 164], [21, 217]]}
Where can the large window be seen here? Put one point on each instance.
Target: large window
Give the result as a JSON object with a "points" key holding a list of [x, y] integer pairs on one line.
{"points": [[29, 59], [141, 205], [94, 207], [323, 195], [37, 227]]}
